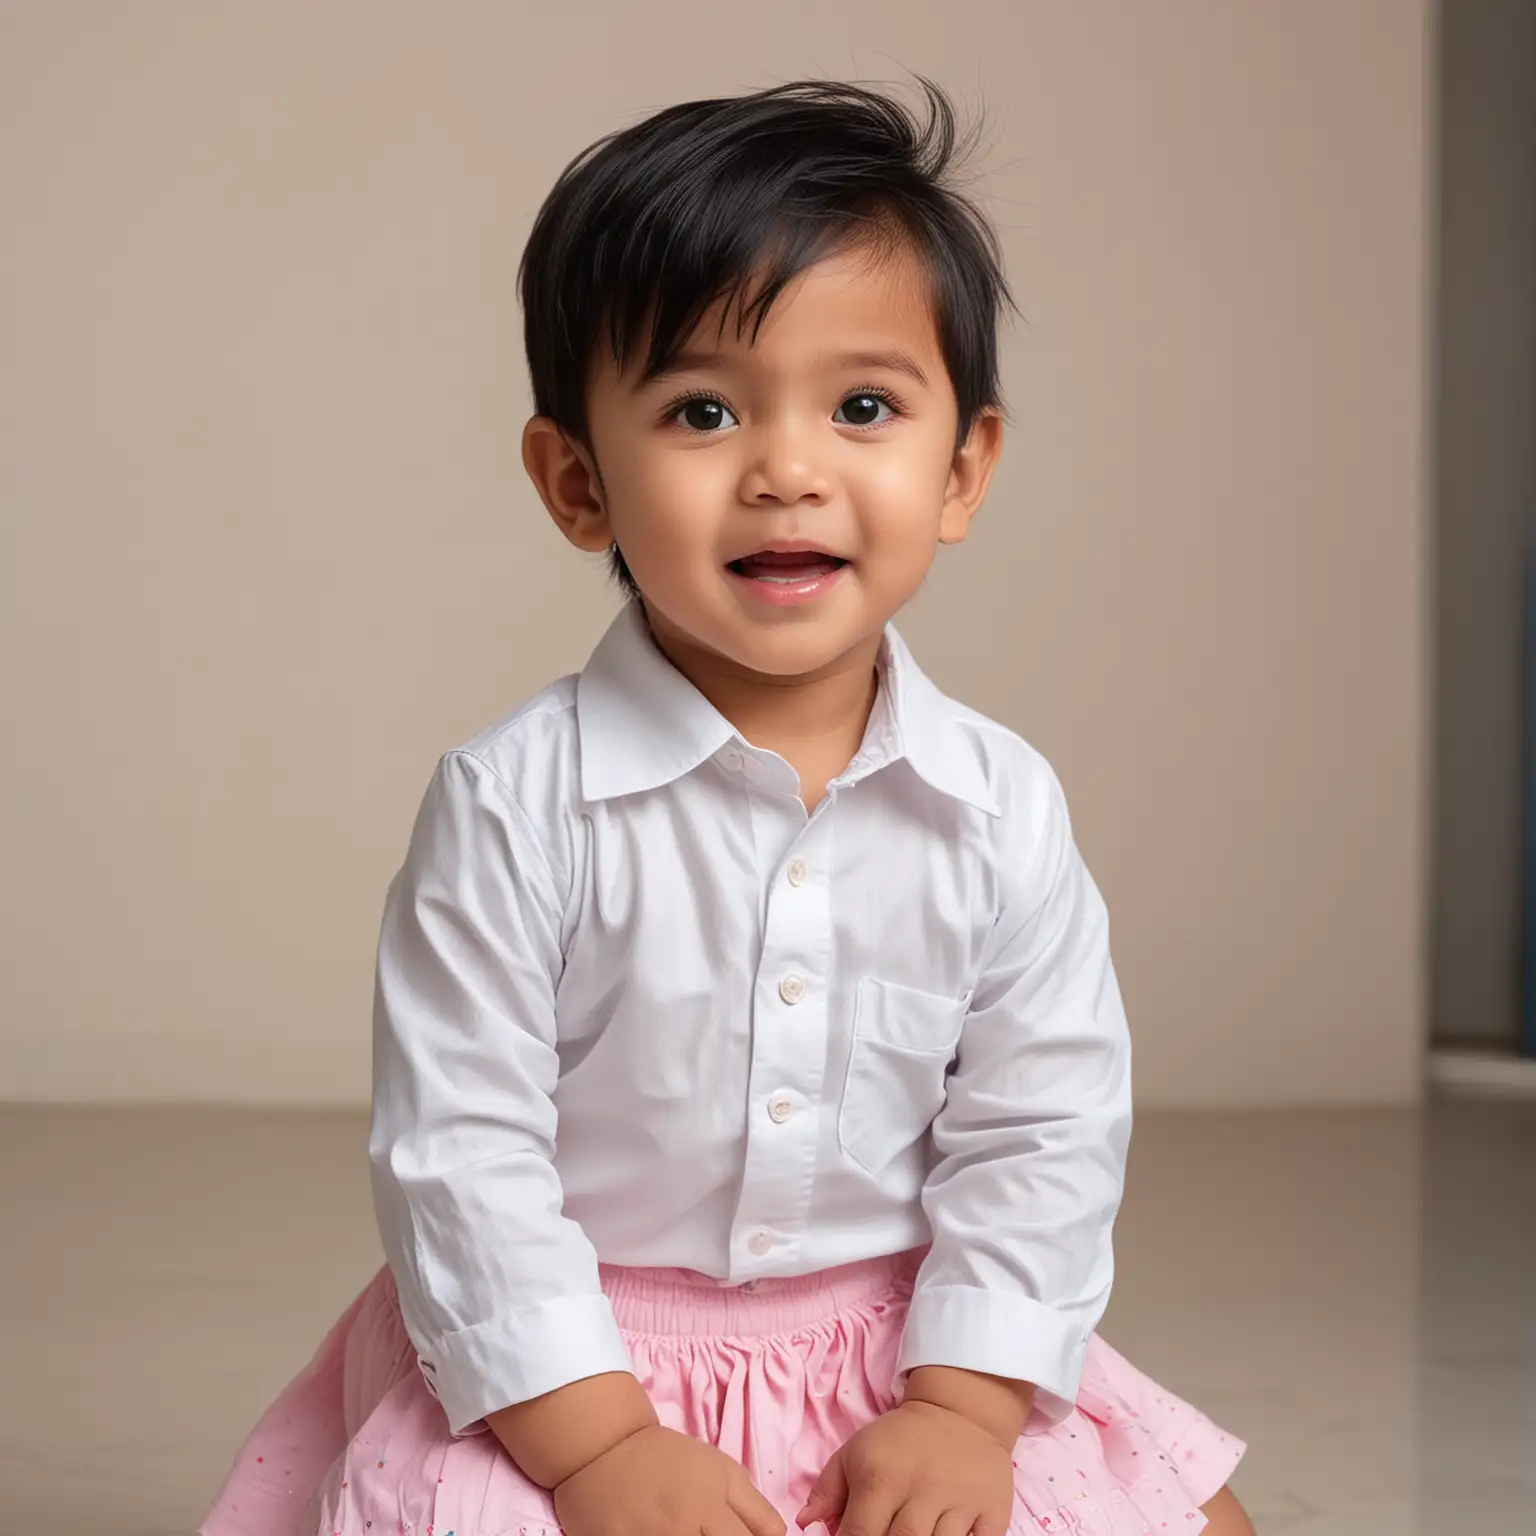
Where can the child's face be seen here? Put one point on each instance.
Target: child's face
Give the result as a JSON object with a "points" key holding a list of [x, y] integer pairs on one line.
{"points": [[835, 427]]}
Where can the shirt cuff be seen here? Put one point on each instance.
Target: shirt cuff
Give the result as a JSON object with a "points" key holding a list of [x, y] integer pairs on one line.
{"points": [[999, 1335], [522, 1355]]}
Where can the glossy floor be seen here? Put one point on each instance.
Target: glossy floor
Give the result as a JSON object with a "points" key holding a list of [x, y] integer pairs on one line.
{"points": [[1355, 1293]]}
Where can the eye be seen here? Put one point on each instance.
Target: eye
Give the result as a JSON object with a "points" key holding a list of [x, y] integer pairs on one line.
{"points": [[703, 414], [863, 410]]}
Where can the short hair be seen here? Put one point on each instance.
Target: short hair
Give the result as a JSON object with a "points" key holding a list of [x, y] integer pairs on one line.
{"points": [[731, 199]]}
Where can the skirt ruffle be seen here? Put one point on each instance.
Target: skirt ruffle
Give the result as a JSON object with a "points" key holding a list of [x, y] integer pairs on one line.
{"points": [[778, 1376]]}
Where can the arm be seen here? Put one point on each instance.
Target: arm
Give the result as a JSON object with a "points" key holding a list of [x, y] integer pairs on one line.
{"points": [[1031, 1141], [1031, 1145], [498, 1288], [553, 1437], [993, 1403]]}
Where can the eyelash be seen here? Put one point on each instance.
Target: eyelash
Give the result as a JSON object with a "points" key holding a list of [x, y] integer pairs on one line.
{"points": [[888, 397], [898, 406], [671, 409]]}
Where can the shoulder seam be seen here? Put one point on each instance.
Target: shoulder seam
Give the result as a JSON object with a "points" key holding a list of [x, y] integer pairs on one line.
{"points": [[525, 821], [528, 711]]}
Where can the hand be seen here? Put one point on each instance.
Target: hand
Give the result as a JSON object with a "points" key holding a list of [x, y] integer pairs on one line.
{"points": [[662, 1483], [918, 1470]]}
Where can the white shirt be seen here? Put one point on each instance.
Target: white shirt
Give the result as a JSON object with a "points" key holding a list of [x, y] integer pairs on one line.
{"points": [[635, 1005]]}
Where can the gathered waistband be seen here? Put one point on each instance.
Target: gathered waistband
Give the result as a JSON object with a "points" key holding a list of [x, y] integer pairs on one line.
{"points": [[682, 1302]]}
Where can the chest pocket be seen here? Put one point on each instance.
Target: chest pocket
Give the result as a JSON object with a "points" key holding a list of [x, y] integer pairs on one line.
{"points": [[903, 1043]]}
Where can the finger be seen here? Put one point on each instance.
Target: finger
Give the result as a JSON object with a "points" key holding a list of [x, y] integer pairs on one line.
{"points": [[753, 1510], [920, 1517], [869, 1510], [828, 1495], [956, 1522]]}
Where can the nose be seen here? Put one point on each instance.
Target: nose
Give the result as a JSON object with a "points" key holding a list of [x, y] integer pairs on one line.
{"points": [[782, 467]]}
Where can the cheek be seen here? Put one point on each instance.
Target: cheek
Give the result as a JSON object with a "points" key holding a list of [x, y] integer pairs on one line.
{"points": [[670, 502], [904, 489]]}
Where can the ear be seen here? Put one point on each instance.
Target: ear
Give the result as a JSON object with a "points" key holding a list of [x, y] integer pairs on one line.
{"points": [[969, 476], [565, 475]]}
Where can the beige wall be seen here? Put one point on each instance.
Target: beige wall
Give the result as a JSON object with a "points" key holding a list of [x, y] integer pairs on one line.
{"points": [[268, 550]]}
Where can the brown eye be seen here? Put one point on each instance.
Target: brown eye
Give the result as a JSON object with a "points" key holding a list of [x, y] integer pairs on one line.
{"points": [[862, 411], [704, 415]]}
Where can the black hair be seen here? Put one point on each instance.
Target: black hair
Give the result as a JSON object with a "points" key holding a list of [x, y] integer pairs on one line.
{"points": [[731, 199]]}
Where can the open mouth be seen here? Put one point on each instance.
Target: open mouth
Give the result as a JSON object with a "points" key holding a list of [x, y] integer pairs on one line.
{"points": [[788, 568], [788, 578]]}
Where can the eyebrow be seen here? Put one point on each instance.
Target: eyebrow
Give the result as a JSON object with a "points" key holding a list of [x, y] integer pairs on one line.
{"points": [[892, 358]]}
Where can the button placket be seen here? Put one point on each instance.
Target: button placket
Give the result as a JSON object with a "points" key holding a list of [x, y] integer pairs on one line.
{"points": [[785, 1084]]}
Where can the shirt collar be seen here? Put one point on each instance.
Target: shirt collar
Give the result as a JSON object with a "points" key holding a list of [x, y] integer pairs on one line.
{"points": [[927, 731], [642, 724]]}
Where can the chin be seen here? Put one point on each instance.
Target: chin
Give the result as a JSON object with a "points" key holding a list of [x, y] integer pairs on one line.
{"points": [[794, 654]]}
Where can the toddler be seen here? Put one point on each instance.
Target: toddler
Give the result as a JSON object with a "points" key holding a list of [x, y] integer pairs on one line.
{"points": [[751, 1082]]}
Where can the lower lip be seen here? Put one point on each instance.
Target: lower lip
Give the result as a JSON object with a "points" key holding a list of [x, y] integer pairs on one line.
{"points": [[788, 594]]}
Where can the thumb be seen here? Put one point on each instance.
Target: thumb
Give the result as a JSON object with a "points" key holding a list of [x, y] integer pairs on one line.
{"points": [[828, 1495]]}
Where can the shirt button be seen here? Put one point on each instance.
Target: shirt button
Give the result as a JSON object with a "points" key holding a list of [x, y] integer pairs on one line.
{"points": [[792, 989], [798, 870], [760, 1243], [780, 1108]]}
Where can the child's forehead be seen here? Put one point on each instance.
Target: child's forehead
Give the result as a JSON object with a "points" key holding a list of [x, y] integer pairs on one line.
{"points": [[852, 303]]}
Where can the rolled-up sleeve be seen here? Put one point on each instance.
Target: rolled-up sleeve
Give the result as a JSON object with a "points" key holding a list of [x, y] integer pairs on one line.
{"points": [[1031, 1142], [498, 1287]]}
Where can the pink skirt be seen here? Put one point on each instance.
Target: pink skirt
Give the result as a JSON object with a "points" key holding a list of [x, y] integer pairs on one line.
{"points": [[778, 1374]]}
